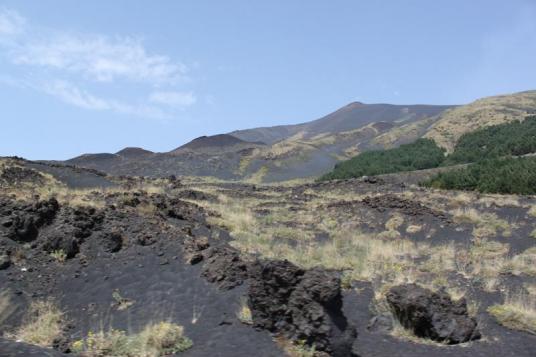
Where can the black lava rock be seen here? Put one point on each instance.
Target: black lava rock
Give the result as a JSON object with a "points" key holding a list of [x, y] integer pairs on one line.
{"points": [[224, 266], [5, 261], [300, 305], [112, 242], [69, 245], [432, 315]]}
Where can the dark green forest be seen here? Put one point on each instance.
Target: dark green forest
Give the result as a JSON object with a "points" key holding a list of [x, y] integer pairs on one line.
{"points": [[422, 154], [499, 175], [515, 138]]}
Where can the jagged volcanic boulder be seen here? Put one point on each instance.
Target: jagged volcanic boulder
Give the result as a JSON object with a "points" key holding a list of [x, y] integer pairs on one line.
{"points": [[224, 266], [85, 220], [194, 247], [111, 242], [24, 221], [196, 195], [300, 305], [5, 261], [23, 228], [62, 242], [432, 314]]}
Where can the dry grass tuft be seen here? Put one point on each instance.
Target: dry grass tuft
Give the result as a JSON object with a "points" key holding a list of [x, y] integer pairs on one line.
{"points": [[487, 224], [244, 313], [43, 326], [524, 263], [159, 339], [394, 222], [518, 312], [413, 228]]}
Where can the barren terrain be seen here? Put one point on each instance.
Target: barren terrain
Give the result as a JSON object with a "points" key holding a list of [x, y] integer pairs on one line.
{"points": [[120, 254]]}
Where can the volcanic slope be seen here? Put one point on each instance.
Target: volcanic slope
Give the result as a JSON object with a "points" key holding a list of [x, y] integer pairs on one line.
{"points": [[280, 153]]}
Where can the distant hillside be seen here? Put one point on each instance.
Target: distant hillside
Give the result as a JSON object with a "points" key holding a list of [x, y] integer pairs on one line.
{"points": [[352, 116], [493, 152], [453, 123], [312, 149], [217, 156]]}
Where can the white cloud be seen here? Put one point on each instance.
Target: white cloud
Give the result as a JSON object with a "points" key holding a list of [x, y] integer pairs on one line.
{"points": [[11, 23], [100, 58], [65, 64], [174, 99], [71, 94]]}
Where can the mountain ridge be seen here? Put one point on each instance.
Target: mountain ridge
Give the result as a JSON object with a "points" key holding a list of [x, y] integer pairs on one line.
{"points": [[286, 152]]}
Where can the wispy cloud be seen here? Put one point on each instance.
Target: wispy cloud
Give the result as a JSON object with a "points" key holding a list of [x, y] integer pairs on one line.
{"points": [[11, 22], [71, 94], [100, 58], [174, 99], [66, 64]]}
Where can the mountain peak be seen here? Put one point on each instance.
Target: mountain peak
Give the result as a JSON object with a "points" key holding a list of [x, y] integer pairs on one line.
{"points": [[133, 152], [220, 140]]}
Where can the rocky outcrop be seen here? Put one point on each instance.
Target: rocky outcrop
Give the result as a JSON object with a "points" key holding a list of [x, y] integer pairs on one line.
{"points": [[63, 242], [15, 175], [300, 305], [23, 221], [224, 266], [432, 315], [387, 202], [5, 261], [111, 242], [196, 195], [194, 248]]}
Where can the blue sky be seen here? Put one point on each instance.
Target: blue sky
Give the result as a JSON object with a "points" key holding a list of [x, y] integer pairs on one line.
{"points": [[96, 76]]}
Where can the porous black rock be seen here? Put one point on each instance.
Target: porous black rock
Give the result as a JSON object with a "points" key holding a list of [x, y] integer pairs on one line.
{"points": [[224, 266], [111, 242], [301, 305], [63, 242], [25, 221], [432, 315], [5, 261]]}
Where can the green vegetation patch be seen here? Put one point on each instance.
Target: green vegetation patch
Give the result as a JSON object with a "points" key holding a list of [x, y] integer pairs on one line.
{"points": [[422, 154], [516, 138], [506, 175]]}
